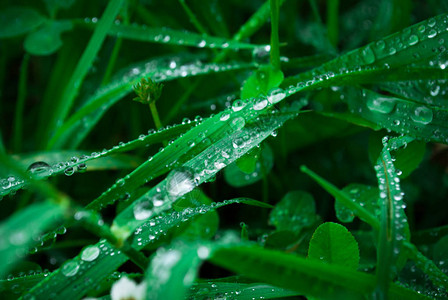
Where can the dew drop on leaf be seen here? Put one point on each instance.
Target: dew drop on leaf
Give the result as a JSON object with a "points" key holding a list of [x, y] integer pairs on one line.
{"points": [[413, 39], [70, 268], [276, 95], [39, 168], [260, 104], [90, 253], [237, 123], [422, 115], [143, 210], [368, 55], [179, 182], [69, 171], [382, 105]]}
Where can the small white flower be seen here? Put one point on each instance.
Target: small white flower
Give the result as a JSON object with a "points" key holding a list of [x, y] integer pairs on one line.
{"points": [[126, 289]]}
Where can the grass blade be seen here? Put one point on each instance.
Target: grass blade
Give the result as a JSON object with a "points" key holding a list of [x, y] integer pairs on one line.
{"points": [[316, 279], [71, 90]]}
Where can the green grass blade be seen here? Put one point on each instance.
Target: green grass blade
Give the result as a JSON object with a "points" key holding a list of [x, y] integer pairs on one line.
{"points": [[19, 232], [172, 37], [394, 228], [95, 262], [80, 123], [239, 291], [344, 198], [310, 278], [62, 107]]}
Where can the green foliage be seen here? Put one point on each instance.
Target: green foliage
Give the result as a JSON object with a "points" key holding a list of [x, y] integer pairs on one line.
{"points": [[252, 92], [332, 243]]}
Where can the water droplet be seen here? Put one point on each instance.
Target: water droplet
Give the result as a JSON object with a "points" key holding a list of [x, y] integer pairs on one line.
{"points": [[260, 104], [392, 51], [413, 39], [276, 95], [368, 55], [40, 168], [70, 268], [82, 167], [225, 116], [238, 105], [90, 253], [422, 115], [202, 44], [179, 182], [432, 33], [143, 210], [434, 90], [237, 123], [69, 171], [382, 104]]}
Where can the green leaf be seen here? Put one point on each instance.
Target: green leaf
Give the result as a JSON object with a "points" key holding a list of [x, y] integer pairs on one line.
{"points": [[173, 271], [15, 21], [308, 277], [80, 123], [19, 232], [364, 195], [47, 39], [261, 81], [249, 168], [294, 212], [407, 159], [213, 289], [173, 37], [332, 243], [95, 262]]}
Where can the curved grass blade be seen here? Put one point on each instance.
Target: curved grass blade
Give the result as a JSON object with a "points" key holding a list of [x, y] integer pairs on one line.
{"points": [[159, 70], [172, 271], [310, 278], [54, 163], [171, 37], [63, 105], [404, 55], [19, 232], [95, 262], [394, 228], [239, 291]]}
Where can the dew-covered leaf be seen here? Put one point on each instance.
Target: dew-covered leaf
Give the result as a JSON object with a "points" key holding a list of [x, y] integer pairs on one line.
{"points": [[261, 81], [332, 243], [308, 277], [394, 227], [47, 39], [15, 21], [364, 195], [295, 211], [172, 271], [20, 231], [407, 159], [249, 168], [173, 37], [240, 291], [95, 262], [159, 69]]}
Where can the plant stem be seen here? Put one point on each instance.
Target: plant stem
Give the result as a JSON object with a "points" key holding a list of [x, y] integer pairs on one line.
{"points": [[332, 21], [21, 97], [155, 115], [275, 44]]}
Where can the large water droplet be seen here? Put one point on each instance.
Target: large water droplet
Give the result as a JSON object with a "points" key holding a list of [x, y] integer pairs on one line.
{"points": [[179, 182], [422, 115], [413, 39], [70, 268], [382, 105], [276, 95], [40, 168], [368, 55], [237, 123], [238, 105], [90, 253], [143, 210], [260, 103]]}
